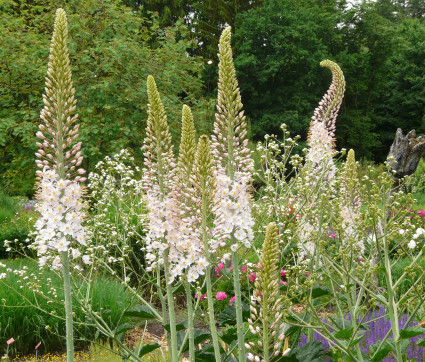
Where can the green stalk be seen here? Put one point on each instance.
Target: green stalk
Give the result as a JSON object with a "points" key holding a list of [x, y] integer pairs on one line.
{"points": [[190, 321], [238, 302], [205, 203], [266, 328], [213, 329], [68, 307], [162, 300], [171, 312], [392, 305], [353, 317]]}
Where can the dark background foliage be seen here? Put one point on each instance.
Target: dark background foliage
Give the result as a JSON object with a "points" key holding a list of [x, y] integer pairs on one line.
{"points": [[278, 45]]}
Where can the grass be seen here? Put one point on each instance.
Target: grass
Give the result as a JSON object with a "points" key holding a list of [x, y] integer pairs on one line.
{"points": [[29, 325], [420, 201]]}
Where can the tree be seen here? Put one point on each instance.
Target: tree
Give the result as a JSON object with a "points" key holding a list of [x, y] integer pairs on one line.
{"points": [[111, 58]]}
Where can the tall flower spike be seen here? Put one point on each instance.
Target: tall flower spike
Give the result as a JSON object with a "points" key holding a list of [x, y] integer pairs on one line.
{"points": [[350, 202], [157, 146], [328, 108], [59, 131], [203, 178], [187, 147], [230, 136], [266, 316]]}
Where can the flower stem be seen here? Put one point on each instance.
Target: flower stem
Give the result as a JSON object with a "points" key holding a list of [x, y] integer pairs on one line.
{"points": [[68, 307], [190, 321], [238, 302], [171, 312], [213, 329]]}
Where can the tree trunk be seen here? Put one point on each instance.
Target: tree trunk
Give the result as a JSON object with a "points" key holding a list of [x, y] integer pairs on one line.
{"points": [[405, 153]]}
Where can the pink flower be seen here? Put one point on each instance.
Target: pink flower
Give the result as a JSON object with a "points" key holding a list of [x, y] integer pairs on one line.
{"points": [[221, 266], [307, 274], [230, 268], [202, 298], [332, 236], [232, 300], [217, 272], [282, 273], [251, 277], [221, 295], [243, 269]]}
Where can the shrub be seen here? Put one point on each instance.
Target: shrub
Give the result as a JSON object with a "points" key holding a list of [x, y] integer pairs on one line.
{"points": [[16, 230]]}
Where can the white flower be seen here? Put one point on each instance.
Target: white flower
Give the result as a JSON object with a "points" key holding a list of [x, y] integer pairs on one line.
{"points": [[75, 253], [234, 247], [411, 244], [56, 264], [86, 259]]}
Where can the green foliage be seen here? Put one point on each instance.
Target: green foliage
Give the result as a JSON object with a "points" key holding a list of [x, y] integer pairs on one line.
{"points": [[29, 325], [8, 206], [111, 56]]}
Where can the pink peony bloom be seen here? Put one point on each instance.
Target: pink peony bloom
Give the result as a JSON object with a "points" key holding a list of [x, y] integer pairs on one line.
{"points": [[282, 273], [252, 277], [232, 300], [221, 266], [221, 295]]}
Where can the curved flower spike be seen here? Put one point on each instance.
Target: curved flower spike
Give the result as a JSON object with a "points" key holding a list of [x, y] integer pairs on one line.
{"points": [[328, 108]]}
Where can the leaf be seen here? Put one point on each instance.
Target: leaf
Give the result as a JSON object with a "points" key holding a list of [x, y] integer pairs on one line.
{"points": [[382, 353], [228, 316], [147, 348], [140, 311], [179, 326], [319, 291], [199, 336], [178, 289], [309, 352], [344, 333], [202, 356], [411, 332], [230, 336], [382, 299], [122, 328], [421, 343]]}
